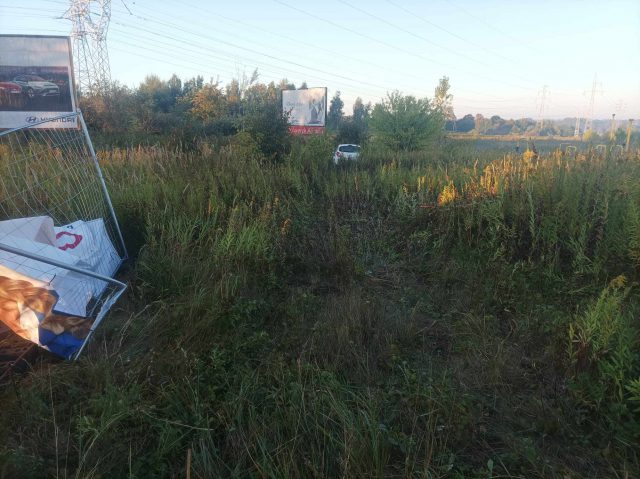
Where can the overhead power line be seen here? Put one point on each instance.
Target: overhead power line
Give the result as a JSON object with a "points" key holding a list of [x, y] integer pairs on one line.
{"points": [[489, 25], [359, 86], [147, 44], [295, 41], [193, 32], [392, 46], [439, 27], [409, 32], [316, 46], [257, 52], [455, 35]]}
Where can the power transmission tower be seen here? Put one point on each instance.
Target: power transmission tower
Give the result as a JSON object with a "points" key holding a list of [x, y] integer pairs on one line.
{"points": [[629, 126], [543, 95], [576, 133], [90, 20], [595, 88], [612, 135], [619, 107]]}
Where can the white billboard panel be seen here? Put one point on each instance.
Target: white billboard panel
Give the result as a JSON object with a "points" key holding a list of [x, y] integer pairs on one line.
{"points": [[36, 81], [306, 107]]}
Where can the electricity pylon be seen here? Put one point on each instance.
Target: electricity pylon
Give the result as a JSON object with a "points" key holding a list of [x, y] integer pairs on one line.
{"points": [[90, 20], [541, 107], [619, 108], [577, 130], [612, 134], [595, 88]]}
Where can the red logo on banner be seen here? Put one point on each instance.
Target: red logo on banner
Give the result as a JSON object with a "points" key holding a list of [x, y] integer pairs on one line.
{"points": [[306, 130], [71, 245]]}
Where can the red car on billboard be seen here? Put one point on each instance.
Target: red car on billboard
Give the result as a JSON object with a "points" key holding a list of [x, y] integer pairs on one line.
{"points": [[10, 88], [10, 95]]}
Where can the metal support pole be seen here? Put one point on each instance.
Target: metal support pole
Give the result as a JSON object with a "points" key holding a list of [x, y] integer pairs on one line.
{"points": [[98, 320], [125, 255], [60, 264]]}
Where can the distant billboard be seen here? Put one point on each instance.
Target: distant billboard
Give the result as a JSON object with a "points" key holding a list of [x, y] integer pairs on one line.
{"points": [[36, 81], [307, 110]]}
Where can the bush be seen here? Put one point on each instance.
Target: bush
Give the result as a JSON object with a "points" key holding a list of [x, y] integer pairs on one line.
{"points": [[406, 123], [270, 129], [605, 361], [351, 131]]}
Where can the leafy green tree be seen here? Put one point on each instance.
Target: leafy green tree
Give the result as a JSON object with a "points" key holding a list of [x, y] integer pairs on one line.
{"points": [[156, 94], [209, 103], [192, 85], [255, 97], [334, 117], [482, 124], [111, 113], [406, 123], [234, 98], [443, 100], [361, 112], [524, 125], [175, 87], [466, 123], [499, 126], [152, 103], [270, 130], [351, 131]]}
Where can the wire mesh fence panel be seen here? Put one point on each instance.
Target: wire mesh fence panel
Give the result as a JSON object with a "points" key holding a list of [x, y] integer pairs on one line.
{"points": [[60, 242]]}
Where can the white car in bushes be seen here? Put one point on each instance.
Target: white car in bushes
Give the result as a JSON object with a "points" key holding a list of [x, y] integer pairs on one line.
{"points": [[346, 152]]}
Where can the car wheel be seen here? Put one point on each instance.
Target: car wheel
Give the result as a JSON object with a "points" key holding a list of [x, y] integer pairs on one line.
{"points": [[30, 93]]}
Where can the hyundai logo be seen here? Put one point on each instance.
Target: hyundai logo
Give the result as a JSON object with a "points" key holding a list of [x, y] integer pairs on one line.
{"points": [[32, 119]]}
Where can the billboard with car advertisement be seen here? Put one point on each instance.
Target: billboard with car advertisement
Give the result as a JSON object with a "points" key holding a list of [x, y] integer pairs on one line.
{"points": [[36, 81], [306, 109]]}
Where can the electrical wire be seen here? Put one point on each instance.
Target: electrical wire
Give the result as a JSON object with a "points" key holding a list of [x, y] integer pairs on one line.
{"points": [[148, 18], [297, 41], [257, 52], [332, 79], [180, 51], [413, 34], [487, 24], [260, 53], [389, 45], [441, 28], [332, 74]]}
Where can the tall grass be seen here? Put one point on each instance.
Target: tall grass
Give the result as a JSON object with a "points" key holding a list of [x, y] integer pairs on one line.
{"points": [[409, 315]]}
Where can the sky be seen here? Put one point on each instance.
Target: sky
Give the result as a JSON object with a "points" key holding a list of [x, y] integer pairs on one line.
{"points": [[499, 55]]}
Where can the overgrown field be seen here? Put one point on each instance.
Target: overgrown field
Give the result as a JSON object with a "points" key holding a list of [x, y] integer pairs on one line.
{"points": [[432, 314]]}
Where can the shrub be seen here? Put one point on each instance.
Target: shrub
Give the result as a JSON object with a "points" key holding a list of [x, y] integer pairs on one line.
{"points": [[605, 361], [351, 131], [270, 129], [406, 123]]}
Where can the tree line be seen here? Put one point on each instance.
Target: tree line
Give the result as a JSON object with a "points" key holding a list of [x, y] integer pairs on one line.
{"points": [[184, 110]]}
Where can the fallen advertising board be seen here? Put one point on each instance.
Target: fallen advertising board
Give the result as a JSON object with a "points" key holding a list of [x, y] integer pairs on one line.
{"points": [[36, 82]]}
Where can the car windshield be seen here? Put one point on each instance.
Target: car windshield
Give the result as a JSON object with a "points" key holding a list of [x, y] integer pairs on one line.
{"points": [[349, 149], [34, 78]]}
